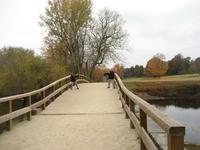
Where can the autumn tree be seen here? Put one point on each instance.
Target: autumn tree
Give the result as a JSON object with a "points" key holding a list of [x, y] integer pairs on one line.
{"points": [[118, 68], [156, 66], [106, 39], [82, 40], [21, 71], [67, 22], [98, 73], [58, 65]]}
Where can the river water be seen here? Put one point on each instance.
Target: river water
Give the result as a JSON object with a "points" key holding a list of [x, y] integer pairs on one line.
{"points": [[187, 113]]}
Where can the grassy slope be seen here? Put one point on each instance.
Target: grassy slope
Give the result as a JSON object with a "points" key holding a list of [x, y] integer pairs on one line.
{"points": [[170, 86], [190, 77]]}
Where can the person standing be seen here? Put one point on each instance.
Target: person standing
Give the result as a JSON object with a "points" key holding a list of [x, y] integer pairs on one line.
{"points": [[73, 80], [111, 77]]}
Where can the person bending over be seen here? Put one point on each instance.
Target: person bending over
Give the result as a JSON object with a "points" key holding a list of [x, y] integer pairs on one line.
{"points": [[73, 80], [111, 76]]}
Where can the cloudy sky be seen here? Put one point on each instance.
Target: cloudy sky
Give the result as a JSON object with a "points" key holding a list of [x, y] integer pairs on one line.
{"points": [[165, 26]]}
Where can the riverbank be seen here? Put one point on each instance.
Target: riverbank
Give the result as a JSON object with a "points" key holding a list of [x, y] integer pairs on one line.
{"points": [[192, 147], [168, 87], [181, 91]]}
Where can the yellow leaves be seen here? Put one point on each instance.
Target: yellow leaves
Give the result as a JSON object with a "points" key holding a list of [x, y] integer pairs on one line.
{"points": [[98, 73], [118, 68], [21, 71], [156, 67]]}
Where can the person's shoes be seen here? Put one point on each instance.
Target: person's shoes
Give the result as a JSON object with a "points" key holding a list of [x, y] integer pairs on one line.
{"points": [[77, 88], [108, 87]]}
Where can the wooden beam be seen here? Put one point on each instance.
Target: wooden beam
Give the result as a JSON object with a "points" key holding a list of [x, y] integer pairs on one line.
{"points": [[20, 96], [141, 132], [132, 109], [43, 96], [14, 114], [29, 114], [9, 123], [175, 139], [143, 124], [126, 103]]}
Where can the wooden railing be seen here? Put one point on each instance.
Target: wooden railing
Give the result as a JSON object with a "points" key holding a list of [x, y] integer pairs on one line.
{"points": [[138, 120], [46, 95]]}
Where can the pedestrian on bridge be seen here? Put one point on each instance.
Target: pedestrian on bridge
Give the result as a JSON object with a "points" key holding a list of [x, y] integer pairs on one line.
{"points": [[73, 80], [111, 76]]}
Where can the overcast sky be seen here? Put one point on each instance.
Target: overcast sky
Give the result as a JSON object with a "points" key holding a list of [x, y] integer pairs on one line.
{"points": [[165, 26]]}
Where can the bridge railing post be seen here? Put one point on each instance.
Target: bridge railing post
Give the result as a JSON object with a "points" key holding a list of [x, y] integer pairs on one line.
{"points": [[43, 96], [176, 138], [122, 98], [28, 114], [132, 109], [120, 93], [143, 124], [175, 130], [59, 85], [9, 123], [67, 81], [32, 100], [54, 97], [126, 98]]}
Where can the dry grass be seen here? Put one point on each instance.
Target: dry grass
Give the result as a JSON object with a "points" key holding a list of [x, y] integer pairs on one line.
{"points": [[187, 77], [168, 86]]}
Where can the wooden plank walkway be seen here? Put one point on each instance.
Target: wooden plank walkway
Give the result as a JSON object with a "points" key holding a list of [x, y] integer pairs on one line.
{"points": [[90, 118]]}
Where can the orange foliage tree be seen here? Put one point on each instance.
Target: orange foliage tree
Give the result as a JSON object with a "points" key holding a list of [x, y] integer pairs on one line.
{"points": [[98, 73], [118, 68], [156, 66]]}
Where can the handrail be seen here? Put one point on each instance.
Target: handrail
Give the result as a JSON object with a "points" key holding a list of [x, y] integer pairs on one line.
{"points": [[174, 129], [57, 88], [13, 97]]}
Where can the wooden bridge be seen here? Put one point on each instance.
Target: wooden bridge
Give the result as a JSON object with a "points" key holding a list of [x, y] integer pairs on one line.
{"points": [[91, 118]]}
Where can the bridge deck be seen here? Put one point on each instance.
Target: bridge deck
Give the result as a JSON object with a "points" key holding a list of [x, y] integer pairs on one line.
{"points": [[90, 118]]}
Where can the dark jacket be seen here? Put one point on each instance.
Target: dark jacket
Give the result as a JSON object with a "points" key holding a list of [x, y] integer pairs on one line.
{"points": [[72, 78], [111, 75]]}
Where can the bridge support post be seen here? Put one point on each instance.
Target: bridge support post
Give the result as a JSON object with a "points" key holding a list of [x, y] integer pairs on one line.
{"points": [[28, 114], [54, 97], [143, 123], [176, 138], [9, 123], [60, 84], [126, 115], [119, 92], [43, 96], [126, 98], [121, 98], [132, 109]]}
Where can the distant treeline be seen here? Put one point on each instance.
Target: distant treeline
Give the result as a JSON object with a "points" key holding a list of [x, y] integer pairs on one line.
{"points": [[156, 66], [22, 71]]}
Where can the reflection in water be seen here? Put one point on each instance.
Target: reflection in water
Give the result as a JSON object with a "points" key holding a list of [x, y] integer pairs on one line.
{"points": [[187, 115], [194, 104]]}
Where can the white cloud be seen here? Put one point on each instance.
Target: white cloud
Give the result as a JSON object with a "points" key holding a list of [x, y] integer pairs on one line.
{"points": [[168, 27], [19, 23]]}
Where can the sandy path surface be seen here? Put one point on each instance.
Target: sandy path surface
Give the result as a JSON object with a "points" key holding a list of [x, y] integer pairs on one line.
{"points": [[90, 118]]}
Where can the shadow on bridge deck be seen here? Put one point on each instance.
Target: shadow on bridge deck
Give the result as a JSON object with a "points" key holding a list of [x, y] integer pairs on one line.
{"points": [[90, 118]]}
